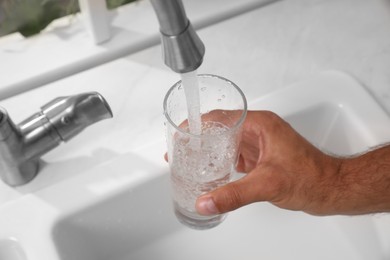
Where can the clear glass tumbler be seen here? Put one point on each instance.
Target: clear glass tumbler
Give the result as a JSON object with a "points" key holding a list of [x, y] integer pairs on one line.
{"points": [[204, 162]]}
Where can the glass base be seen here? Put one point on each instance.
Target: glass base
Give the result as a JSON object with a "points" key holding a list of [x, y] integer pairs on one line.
{"points": [[196, 221]]}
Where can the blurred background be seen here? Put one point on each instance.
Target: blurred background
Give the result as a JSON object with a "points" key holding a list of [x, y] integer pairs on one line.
{"points": [[29, 17]]}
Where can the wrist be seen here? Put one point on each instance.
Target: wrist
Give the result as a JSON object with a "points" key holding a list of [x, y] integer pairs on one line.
{"points": [[364, 184], [330, 188]]}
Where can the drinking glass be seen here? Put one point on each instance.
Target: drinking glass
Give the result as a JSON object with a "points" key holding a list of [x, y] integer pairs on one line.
{"points": [[202, 162]]}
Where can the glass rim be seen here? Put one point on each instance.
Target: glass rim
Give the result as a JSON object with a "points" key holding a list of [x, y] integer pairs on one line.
{"points": [[230, 129]]}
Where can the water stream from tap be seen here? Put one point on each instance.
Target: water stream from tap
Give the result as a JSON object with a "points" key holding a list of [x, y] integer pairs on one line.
{"points": [[191, 89]]}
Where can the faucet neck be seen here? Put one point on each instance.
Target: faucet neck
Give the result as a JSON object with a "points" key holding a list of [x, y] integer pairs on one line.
{"points": [[7, 127], [171, 16], [183, 50], [14, 168]]}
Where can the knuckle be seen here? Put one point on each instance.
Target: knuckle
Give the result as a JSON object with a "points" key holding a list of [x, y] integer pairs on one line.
{"points": [[269, 120], [271, 116]]}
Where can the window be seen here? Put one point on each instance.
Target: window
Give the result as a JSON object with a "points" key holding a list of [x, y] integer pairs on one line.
{"points": [[29, 17]]}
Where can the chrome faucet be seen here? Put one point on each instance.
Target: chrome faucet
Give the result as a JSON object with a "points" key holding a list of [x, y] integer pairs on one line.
{"points": [[183, 50], [22, 145]]}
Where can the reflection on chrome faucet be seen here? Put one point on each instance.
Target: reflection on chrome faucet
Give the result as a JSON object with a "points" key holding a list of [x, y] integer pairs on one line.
{"points": [[183, 50], [58, 121]]}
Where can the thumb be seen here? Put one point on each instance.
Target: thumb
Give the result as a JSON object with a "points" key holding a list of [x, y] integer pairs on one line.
{"points": [[231, 196]]}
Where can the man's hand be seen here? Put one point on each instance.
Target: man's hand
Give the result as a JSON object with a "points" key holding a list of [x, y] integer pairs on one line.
{"points": [[286, 170]]}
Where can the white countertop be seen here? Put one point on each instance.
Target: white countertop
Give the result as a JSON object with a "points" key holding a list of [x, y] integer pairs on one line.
{"points": [[262, 51], [65, 47], [288, 41]]}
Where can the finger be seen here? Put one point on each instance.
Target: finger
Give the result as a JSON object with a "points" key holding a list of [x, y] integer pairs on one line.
{"points": [[262, 184], [229, 197], [248, 158], [226, 117], [240, 167], [166, 157]]}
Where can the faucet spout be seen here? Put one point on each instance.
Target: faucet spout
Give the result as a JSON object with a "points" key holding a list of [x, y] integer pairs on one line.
{"points": [[58, 121], [183, 50]]}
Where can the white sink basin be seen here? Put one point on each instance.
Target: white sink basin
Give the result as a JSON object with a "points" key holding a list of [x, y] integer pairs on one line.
{"points": [[121, 209]]}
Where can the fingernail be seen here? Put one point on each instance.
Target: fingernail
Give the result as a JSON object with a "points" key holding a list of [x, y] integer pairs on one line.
{"points": [[206, 206]]}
